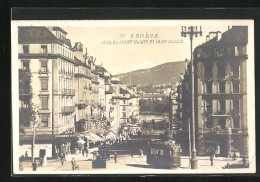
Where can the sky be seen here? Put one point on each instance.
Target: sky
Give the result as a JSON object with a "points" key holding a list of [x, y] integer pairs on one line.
{"points": [[127, 55]]}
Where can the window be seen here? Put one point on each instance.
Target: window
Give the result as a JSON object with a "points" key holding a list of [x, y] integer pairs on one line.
{"points": [[222, 106], [208, 88], [44, 120], [124, 115], [222, 87], [235, 68], [26, 65], [222, 122], [44, 102], [44, 84], [26, 49], [209, 123], [209, 106], [44, 67], [236, 122], [221, 69], [153, 151], [236, 87], [236, 104], [124, 108], [208, 70], [161, 152], [44, 49]]}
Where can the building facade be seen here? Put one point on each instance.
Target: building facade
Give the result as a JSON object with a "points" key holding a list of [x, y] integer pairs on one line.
{"points": [[47, 54], [221, 93]]}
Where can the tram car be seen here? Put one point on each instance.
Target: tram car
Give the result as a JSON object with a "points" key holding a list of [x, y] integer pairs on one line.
{"points": [[104, 152], [165, 154]]}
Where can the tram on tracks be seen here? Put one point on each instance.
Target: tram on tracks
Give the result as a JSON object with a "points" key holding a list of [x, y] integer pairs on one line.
{"points": [[164, 154]]}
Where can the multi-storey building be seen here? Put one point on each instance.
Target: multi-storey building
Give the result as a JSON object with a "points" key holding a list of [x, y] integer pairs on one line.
{"points": [[47, 54], [83, 89], [221, 93]]}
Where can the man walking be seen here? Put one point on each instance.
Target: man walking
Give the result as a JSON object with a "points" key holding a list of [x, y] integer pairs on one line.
{"points": [[73, 163], [83, 151], [211, 159], [115, 157]]}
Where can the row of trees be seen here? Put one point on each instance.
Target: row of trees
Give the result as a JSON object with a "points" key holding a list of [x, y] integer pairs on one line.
{"points": [[155, 106]]}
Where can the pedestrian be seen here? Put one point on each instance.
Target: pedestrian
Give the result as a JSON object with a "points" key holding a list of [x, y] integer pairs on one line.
{"points": [[41, 161], [211, 159], [86, 152], [234, 156], [26, 154], [73, 163], [62, 161], [83, 152], [21, 166], [132, 154], [115, 157], [44, 161], [244, 161], [34, 165]]}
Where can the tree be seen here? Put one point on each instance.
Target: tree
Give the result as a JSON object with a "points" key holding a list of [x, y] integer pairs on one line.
{"points": [[26, 113]]}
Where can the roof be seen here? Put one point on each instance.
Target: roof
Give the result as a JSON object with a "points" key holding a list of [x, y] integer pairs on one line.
{"points": [[38, 34], [35, 34], [79, 63], [123, 91], [234, 36]]}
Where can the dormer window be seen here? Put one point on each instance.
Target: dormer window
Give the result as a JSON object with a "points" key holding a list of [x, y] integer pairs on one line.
{"points": [[26, 49], [44, 49]]}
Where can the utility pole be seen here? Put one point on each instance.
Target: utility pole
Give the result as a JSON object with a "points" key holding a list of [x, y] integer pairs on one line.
{"points": [[191, 32]]}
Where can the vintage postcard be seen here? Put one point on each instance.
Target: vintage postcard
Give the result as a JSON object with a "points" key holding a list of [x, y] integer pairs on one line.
{"points": [[133, 97]]}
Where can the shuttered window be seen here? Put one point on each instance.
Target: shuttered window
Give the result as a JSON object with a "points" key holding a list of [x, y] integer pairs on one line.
{"points": [[44, 102], [44, 84]]}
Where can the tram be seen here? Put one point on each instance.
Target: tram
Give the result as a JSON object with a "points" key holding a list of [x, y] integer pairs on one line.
{"points": [[164, 154]]}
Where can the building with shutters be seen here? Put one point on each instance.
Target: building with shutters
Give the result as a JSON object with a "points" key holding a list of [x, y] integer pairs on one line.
{"points": [[47, 55], [221, 93]]}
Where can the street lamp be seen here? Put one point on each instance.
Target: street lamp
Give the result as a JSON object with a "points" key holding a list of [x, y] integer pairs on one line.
{"points": [[192, 31]]}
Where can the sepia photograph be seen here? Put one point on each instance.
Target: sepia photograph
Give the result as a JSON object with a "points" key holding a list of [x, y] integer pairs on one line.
{"points": [[133, 97]]}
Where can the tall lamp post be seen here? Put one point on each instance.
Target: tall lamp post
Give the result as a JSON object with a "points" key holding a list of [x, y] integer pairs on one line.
{"points": [[191, 32]]}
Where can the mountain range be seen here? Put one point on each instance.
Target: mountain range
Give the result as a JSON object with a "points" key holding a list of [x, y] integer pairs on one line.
{"points": [[167, 73]]}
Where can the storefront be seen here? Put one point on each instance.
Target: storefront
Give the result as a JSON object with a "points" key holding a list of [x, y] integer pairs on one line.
{"points": [[43, 146]]}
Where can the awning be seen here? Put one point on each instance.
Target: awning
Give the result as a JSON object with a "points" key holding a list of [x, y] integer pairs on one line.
{"points": [[94, 137], [111, 135]]}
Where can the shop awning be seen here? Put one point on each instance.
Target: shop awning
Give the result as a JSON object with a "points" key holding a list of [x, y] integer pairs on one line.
{"points": [[94, 137], [111, 135]]}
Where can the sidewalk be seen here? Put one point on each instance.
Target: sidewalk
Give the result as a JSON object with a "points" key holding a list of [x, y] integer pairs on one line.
{"points": [[55, 164]]}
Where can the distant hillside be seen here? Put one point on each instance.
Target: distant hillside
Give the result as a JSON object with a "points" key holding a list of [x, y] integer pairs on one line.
{"points": [[162, 74]]}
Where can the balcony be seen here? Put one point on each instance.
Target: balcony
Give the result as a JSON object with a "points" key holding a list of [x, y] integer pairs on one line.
{"points": [[221, 113], [234, 112], [68, 92], [43, 71], [67, 109]]}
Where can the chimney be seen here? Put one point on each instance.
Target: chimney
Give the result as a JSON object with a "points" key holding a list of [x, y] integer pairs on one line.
{"points": [[218, 35], [207, 38]]}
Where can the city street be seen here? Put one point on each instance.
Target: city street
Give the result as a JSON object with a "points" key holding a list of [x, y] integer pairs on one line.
{"points": [[126, 162]]}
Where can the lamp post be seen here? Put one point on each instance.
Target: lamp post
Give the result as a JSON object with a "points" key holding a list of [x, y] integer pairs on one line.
{"points": [[191, 32]]}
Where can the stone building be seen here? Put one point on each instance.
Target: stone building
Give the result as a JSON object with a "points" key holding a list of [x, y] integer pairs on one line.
{"points": [[221, 93], [47, 54]]}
